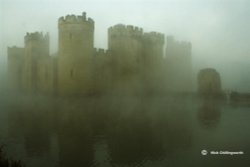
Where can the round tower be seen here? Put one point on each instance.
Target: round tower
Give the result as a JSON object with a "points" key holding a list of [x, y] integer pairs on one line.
{"points": [[153, 46], [76, 36], [76, 46], [125, 43], [178, 65], [36, 44], [36, 48], [153, 71]]}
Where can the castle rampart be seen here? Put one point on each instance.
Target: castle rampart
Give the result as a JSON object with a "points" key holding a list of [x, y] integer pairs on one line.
{"points": [[154, 37], [101, 52], [125, 42], [76, 49], [36, 36], [178, 61], [123, 30], [133, 62], [76, 36], [173, 45], [16, 52], [73, 19], [36, 52]]}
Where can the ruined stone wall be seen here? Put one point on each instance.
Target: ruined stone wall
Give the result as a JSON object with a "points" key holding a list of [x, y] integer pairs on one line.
{"points": [[76, 47], [15, 68]]}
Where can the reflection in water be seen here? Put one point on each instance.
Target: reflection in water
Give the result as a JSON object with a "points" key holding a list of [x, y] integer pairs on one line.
{"points": [[135, 138], [33, 127], [209, 113], [101, 131], [131, 139], [36, 138], [75, 141]]}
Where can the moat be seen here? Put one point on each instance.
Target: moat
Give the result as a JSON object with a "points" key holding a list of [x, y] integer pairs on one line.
{"points": [[123, 131]]}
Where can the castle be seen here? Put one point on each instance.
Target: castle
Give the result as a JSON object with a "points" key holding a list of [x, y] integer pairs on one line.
{"points": [[133, 63]]}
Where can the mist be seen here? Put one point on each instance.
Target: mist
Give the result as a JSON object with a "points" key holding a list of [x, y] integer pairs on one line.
{"points": [[218, 30], [174, 85]]}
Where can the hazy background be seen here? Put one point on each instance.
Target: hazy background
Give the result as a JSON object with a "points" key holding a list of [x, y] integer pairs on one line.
{"points": [[218, 29]]}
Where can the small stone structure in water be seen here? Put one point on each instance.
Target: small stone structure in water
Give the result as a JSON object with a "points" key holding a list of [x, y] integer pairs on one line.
{"points": [[209, 83]]}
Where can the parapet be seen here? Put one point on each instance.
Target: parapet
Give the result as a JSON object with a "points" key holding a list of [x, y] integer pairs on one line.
{"points": [[15, 51], [182, 44], [36, 36], [73, 19], [101, 52], [14, 48], [208, 70], [154, 37], [125, 30]]}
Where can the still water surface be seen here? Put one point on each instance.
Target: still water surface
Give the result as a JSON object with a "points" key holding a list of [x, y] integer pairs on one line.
{"points": [[123, 131]]}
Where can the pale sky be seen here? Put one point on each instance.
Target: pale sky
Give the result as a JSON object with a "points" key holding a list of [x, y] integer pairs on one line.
{"points": [[219, 30]]}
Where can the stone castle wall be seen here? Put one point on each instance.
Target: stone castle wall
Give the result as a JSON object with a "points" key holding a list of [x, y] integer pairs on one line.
{"points": [[137, 57], [76, 44], [179, 65], [125, 42], [133, 63], [153, 67], [36, 59], [45, 75], [102, 70]]}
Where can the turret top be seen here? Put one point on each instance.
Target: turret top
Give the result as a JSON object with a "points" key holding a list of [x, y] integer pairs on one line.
{"points": [[125, 30], [208, 70], [36, 36], [154, 37], [73, 19], [183, 44]]}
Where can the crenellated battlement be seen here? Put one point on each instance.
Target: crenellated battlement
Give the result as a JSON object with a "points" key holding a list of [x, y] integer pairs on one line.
{"points": [[36, 36], [134, 63], [154, 37], [101, 52], [181, 44], [15, 51], [14, 47], [74, 19], [125, 30]]}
